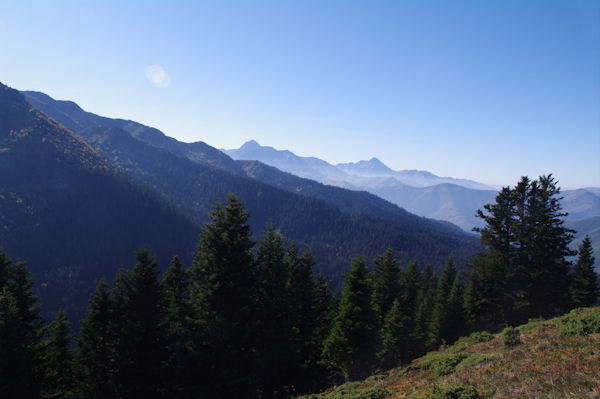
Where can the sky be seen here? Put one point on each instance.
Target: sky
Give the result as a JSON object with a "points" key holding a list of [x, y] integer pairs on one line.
{"points": [[484, 90]]}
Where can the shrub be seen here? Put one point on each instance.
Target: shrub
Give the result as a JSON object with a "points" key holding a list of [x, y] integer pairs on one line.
{"points": [[581, 322], [474, 338], [442, 363], [511, 337], [371, 393], [455, 392]]}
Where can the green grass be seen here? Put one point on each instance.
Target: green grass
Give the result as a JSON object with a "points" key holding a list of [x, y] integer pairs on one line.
{"points": [[557, 358]]}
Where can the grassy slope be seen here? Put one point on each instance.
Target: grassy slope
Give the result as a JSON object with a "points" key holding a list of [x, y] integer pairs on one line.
{"points": [[558, 358]]}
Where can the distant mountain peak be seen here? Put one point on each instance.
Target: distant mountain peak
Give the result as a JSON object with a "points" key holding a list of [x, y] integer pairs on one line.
{"points": [[250, 145], [371, 167]]}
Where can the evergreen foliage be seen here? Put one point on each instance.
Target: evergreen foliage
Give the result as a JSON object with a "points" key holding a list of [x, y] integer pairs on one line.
{"points": [[386, 283], [21, 333], [440, 318], [255, 321], [178, 314], [584, 289], [393, 337], [139, 320], [96, 347], [350, 344], [224, 293], [524, 272], [59, 361]]}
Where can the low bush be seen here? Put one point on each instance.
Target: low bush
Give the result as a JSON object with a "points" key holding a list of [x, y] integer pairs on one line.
{"points": [[511, 337], [442, 363], [581, 322], [459, 391], [371, 393]]}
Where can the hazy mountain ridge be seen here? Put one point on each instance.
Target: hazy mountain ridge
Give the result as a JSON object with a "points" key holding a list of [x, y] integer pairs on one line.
{"points": [[76, 119], [194, 181], [369, 173], [452, 200]]}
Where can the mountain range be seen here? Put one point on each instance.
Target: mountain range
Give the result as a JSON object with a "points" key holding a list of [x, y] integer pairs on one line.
{"points": [[420, 192], [80, 192]]}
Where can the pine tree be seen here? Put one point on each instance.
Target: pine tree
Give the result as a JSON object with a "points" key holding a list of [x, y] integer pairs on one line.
{"points": [[224, 298], [426, 295], [408, 306], [21, 333], [275, 316], [455, 314], [549, 268], [438, 329], [59, 380], [350, 345], [524, 271], [311, 310], [393, 337], [584, 289], [96, 348], [386, 283], [139, 317], [178, 370], [486, 303]]}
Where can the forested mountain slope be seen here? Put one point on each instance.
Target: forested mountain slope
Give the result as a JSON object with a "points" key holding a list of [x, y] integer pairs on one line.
{"points": [[195, 180], [71, 214]]}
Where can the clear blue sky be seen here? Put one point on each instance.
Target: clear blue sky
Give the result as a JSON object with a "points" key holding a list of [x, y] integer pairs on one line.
{"points": [[486, 90]]}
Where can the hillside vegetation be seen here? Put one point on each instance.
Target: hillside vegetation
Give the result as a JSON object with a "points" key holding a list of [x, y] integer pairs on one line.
{"points": [[555, 358]]}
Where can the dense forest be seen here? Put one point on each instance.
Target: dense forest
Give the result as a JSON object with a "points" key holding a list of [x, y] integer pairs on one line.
{"points": [[249, 319]]}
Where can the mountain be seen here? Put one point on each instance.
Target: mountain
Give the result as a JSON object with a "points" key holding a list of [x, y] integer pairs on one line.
{"points": [[361, 174], [194, 180], [76, 119], [307, 167], [71, 214], [419, 192], [581, 203]]}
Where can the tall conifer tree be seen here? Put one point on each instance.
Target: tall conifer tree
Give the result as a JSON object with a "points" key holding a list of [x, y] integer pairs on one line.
{"points": [[59, 382], [21, 333], [224, 296], [141, 332], [386, 283], [584, 288], [275, 316], [96, 355], [178, 371], [350, 345]]}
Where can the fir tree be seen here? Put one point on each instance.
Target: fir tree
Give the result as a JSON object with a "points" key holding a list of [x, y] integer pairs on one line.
{"points": [[311, 310], [584, 288], [59, 380], [438, 329], [21, 333], [141, 332], [408, 306], [96, 348], [386, 283], [549, 268], [427, 285], [454, 326], [178, 371], [275, 316], [350, 345], [524, 271], [393, 337], [224, 297]]}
